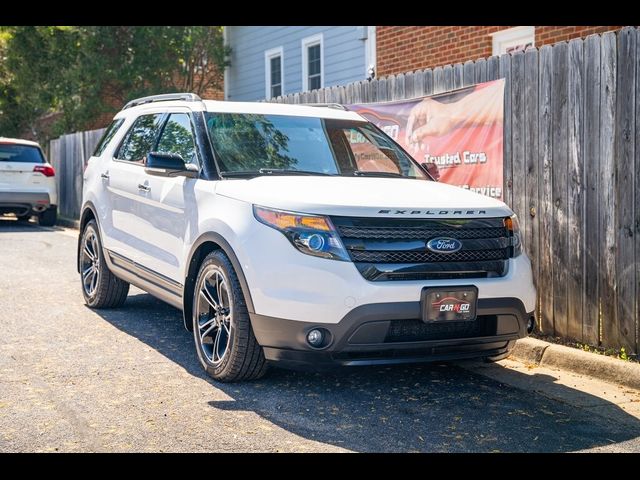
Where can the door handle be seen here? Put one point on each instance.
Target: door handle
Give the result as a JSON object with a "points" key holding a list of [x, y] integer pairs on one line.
{"points": [[105, 175], [144, 188]]}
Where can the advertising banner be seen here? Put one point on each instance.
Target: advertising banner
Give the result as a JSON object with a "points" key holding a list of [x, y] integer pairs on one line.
{"points": [[460, 131]]}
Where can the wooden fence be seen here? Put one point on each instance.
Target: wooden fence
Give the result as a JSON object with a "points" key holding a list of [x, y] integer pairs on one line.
{"points": [[68, 155], [571, 171]]}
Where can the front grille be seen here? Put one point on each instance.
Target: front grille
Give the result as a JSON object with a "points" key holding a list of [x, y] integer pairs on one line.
{"points": [[395, 249], [420, 257], [391, 233], [419, 331]]}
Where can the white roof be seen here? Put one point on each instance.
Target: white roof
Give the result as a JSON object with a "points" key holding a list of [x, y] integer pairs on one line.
{"points": [[18, 141], [268, 108], [265, 108]]}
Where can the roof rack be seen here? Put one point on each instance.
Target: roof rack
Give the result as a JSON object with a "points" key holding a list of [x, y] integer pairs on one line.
{"points": [[166, 97], [337, 106]]}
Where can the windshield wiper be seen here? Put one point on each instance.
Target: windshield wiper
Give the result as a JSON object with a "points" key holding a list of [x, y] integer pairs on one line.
{"points": [[270, 171], [365, 173]]}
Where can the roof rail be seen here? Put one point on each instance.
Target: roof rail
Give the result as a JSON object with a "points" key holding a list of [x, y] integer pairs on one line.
{"points": [[337, 106], [165, 97]]}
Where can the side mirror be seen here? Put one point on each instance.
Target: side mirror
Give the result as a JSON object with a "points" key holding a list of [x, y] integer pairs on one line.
{"points": [[432, 169], [169, 165]]}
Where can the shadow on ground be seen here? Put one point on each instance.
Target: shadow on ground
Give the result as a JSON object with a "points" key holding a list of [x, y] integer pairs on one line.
{"points": [[12, 225], [401, 408]]}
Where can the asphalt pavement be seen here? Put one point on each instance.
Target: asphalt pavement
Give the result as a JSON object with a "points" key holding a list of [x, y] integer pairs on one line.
{"points": [[125, 380]]}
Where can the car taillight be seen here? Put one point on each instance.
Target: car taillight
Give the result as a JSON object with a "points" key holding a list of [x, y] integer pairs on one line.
{"points": [[46, 170]]}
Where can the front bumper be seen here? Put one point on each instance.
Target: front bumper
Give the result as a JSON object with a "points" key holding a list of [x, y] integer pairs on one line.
{"points": [[386, 333], [285, 283]]}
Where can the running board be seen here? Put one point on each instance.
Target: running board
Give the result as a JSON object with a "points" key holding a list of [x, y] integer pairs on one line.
{"points": [[150, 281]]}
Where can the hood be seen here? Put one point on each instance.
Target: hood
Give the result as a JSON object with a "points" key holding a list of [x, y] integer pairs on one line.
{"points": [[362, 196]]}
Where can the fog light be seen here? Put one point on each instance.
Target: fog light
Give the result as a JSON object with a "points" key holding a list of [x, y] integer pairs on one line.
{"points": [[316, 242], [315, 337]]}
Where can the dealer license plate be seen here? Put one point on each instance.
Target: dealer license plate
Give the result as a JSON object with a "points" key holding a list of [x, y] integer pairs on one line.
{"points": [[449, 304]]}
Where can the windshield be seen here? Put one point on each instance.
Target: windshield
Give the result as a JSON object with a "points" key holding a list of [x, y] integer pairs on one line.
{"points": [[272, 144], [11, 152]]}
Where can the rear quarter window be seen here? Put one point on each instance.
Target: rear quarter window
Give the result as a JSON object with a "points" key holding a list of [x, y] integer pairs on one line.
{"points": [[109, 133], [11, 152]]}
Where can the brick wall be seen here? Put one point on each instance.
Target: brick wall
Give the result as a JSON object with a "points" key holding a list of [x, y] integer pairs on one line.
{"points": [[403, 49], [105, 119], [211, 93]]}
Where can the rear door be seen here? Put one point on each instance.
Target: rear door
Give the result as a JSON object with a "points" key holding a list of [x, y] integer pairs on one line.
{"points": [[123, 177], [16, 168]]}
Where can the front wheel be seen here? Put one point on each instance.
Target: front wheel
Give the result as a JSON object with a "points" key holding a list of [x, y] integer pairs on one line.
{"points": [[225, 343]]}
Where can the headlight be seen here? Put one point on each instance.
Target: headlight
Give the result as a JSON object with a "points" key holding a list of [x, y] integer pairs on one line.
{"points": [[311, 234], [514, 234]]}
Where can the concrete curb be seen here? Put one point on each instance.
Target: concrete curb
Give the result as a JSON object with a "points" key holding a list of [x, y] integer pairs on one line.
{"points": [[68, 222], [545, 354]]}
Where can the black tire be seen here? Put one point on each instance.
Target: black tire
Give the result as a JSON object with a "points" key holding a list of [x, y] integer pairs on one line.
{"points": [[109, 290], [243, 358], [502, 356], [49, 217]]}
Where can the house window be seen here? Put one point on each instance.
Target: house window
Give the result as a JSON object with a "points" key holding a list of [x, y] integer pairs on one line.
{"points": [[276, 76], [273, 60], [314, 67], [312, 63], [513, 39]]}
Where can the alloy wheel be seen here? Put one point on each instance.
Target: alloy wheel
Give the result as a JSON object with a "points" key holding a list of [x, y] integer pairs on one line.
{"points": [[90, 263], [214, 313]]}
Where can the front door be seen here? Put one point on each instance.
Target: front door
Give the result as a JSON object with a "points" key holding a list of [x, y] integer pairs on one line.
{"points": [[169, 204]]}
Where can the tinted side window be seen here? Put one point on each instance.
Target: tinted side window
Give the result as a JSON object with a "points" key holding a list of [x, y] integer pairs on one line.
{"points": [[177, 137], [140, 139], [108, 135]]}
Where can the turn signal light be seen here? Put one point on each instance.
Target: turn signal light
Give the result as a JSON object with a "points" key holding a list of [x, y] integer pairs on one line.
{"points": [[282, 220], [514, 231]]}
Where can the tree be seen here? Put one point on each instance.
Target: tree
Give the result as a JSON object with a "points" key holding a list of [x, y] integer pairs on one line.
{"points": [[84, 72]]}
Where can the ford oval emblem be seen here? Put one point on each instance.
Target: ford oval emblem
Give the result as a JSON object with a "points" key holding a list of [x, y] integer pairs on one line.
{"points": [[444, 245]]}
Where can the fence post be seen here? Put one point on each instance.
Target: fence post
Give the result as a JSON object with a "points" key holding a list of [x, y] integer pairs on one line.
{"points": [[518, 176], [458, 76], [591, 163], [637, 190], [560, 191], [532, 172], [625, 178], [545, 152], [575, 187], [481, 70], [607, 270], [469, 74], [505, 72]]}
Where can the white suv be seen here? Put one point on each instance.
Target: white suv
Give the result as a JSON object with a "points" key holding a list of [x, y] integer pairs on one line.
{"points": [[27, 182], [301, 235]]}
